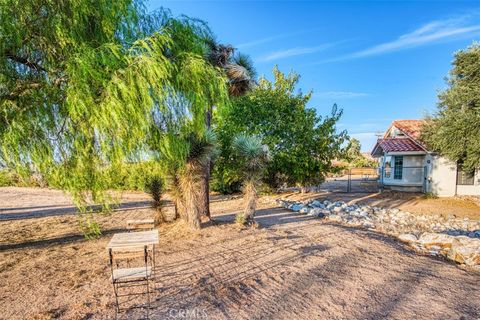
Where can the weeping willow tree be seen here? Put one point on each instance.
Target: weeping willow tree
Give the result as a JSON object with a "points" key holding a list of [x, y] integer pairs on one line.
{"points": [[83, 85]]}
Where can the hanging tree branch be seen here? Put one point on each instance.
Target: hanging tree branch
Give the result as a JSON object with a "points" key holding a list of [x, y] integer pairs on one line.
{"points": [[25, 61]]}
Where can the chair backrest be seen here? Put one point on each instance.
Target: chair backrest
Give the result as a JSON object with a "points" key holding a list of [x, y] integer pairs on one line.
{"points": [[140, 225], [127, 254]]}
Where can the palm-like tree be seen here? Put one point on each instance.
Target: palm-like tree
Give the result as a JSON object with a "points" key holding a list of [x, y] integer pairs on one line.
{"points": [[184, 157], [241, 75], [253, 157], [237, 67]]}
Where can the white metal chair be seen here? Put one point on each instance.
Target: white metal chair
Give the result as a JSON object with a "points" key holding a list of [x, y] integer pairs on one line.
{"points": [[140, 225], [131, 276]]}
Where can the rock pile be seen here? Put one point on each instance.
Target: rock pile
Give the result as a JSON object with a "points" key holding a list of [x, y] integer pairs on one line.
{"points": [[456, 239]]}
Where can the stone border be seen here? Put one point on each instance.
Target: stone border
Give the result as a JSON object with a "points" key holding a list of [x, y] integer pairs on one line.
{"points": [[455, 239]]}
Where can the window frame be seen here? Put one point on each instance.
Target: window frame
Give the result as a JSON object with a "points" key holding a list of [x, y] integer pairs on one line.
{"points": [[387, 167], [398, 165], [465, 178]]}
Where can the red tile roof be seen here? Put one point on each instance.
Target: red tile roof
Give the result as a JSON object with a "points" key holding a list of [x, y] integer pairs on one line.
{"points": [[399, 145], [410, 141], [412, 128]]}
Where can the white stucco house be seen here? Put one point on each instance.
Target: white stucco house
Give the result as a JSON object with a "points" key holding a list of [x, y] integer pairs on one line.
{"points": [[407, 165]]}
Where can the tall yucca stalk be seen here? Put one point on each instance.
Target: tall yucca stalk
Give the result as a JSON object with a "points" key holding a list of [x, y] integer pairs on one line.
{"points": [[253, 157]]}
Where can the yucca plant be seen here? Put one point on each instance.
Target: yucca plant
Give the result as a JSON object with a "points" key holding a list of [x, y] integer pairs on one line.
{"points": [[240, 73], [184, 157], [155, 187], [253, 156]]}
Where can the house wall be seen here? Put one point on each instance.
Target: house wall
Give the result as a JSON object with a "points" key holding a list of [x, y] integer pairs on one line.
{"points": [[471, 190], [441, 176], [443, 179], [412, 171]]}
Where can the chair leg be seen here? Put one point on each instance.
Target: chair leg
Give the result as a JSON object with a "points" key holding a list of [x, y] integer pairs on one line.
{"points": [[154, 269], [117, 309], [148, 298]]}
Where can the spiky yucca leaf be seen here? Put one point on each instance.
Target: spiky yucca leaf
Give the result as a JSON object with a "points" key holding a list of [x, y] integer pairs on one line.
{"points": [[253, 156], [251, 151]]}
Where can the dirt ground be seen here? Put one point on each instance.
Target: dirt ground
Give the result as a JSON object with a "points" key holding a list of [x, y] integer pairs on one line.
{"points": [[292, 267]]}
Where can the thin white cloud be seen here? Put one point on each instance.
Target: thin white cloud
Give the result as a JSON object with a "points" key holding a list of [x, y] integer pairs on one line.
{"points": [[259, 41], [271, 38], [341, 94], [292, 52], [435, 31], [431, 32]]}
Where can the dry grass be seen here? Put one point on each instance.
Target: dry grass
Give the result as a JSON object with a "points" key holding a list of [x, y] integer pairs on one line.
{"points": [[293, 267]]}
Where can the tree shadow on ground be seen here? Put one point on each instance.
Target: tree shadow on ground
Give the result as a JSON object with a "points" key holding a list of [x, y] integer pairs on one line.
{"points": [[268, 217], [49, 211], [53, 241]]}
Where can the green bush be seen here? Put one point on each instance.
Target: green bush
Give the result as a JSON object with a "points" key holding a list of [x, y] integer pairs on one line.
{"points": [[136, 176], [132, 176]]}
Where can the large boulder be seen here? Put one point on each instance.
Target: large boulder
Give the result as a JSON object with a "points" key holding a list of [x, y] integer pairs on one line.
{"points": [[467, 252], [318, 212], [304, 210], [441, 240], [407, 237], [296, 207], [317, 204], [335, 217], [337, 209]]}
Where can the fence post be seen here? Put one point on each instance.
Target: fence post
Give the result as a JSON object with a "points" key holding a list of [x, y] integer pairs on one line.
{"points": [[349, 184]]}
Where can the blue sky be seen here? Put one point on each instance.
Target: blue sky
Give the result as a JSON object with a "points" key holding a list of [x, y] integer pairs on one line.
{"points": [[379, 61]]}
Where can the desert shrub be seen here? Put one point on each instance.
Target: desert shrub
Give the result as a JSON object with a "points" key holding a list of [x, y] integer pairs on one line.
{"points": [[430, 195], [155, 188], [88, 225], [240, 219], [135, 176], [9, 178], [5, 179]]}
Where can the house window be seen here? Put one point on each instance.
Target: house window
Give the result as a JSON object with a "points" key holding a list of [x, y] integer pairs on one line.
{"points": [[398, 168], [464, 177], [387, 167]]}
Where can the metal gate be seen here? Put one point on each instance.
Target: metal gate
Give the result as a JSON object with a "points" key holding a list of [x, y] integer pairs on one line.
{"points": [[360, 180]]}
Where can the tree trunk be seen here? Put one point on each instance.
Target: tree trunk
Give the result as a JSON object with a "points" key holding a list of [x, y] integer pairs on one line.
{"points": [[251, 202], [205, 184], [190, 182], [159, 217]]}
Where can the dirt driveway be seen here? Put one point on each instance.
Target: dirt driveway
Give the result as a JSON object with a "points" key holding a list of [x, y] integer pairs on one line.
{"points": [[293, 267]]}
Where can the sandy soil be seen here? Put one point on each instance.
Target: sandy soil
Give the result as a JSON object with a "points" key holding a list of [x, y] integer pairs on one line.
{"points": [[292, 267]]}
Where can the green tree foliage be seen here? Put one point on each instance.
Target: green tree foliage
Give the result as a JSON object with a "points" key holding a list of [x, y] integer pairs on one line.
{"points": [[354, 157], [88, 86], [454, 131], [251, 157], [301, 143]]}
